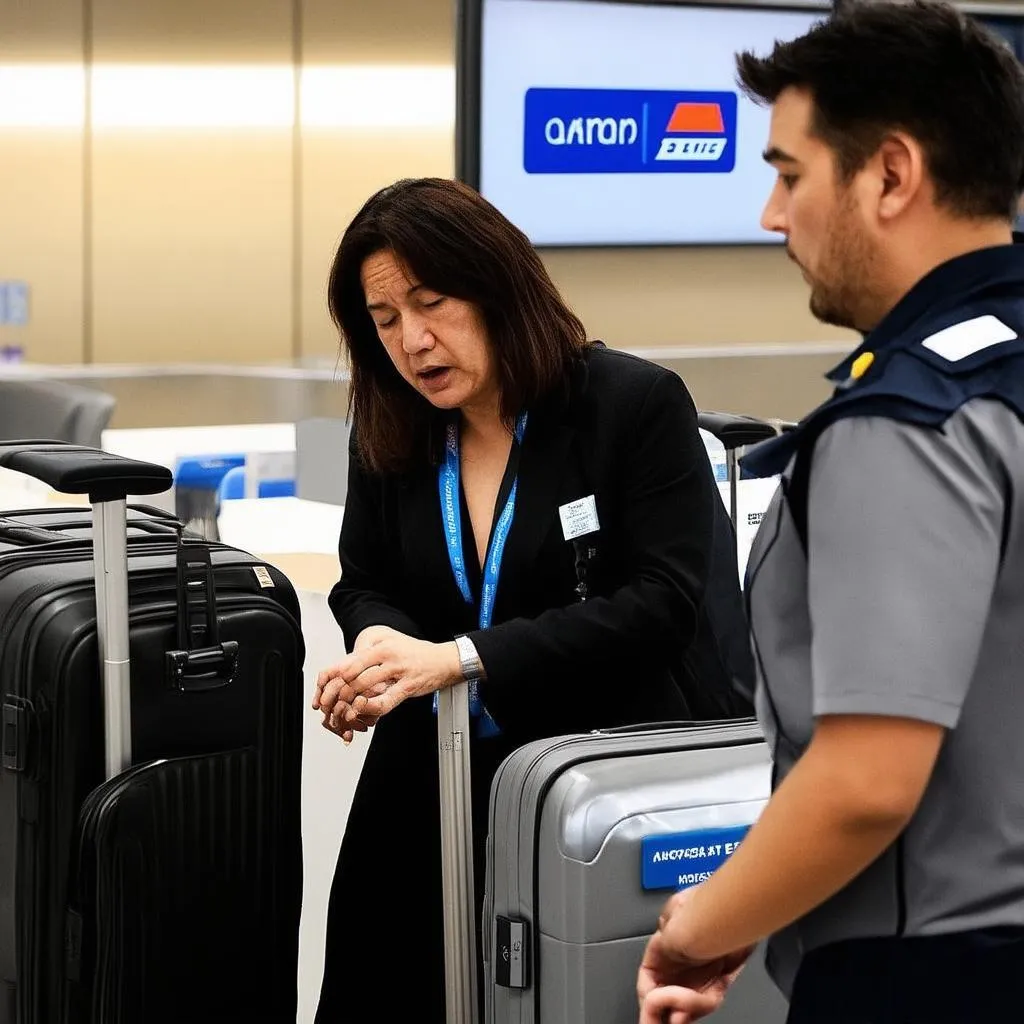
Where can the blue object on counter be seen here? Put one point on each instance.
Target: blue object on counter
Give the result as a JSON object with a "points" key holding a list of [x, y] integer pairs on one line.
{"points": [[232, 486], [276, 489], [205, 472]]}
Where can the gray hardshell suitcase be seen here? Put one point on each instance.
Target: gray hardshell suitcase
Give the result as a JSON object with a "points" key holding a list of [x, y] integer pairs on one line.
{"points": [[588, 836]]}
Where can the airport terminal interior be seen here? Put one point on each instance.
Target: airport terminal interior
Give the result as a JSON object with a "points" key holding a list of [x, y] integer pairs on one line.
{"points": [[175, 176]]}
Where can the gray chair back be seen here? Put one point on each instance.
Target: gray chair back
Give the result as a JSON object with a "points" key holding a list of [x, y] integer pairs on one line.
{"points": [[53, 410]]}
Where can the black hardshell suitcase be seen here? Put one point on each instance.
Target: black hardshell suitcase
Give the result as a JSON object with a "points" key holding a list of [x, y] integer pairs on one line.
{"points": [[150, 847]]}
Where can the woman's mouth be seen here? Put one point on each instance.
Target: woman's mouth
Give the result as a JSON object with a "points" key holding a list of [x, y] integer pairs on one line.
{"points": [[434, 379]]}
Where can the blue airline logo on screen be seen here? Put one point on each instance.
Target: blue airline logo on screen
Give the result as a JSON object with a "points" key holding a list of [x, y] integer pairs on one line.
{"points": [[629, 131]]}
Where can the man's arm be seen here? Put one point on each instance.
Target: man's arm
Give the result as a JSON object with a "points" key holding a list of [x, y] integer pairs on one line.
{"points": [[904, 537]]}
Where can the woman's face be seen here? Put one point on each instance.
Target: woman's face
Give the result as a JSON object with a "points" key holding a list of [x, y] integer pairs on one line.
{"points": [[437, 343]]}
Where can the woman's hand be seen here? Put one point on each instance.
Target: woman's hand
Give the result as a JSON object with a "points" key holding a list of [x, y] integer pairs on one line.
{"points": [[336, 723], [675, 987], [373, 681]]}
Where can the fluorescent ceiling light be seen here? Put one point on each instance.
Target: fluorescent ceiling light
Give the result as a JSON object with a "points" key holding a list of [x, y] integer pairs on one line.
{"points": [[198, 96], [124, 96], [42, 96], [378, 96]]}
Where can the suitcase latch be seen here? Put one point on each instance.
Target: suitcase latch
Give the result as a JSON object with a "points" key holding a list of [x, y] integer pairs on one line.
{"points": [[512, 953], [14, 739]]}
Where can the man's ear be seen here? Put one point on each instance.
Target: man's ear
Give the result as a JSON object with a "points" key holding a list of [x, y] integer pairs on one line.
{"points": [[900, 166]]}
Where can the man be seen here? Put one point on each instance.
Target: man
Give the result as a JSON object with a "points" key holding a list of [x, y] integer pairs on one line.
{"points": [[886, 586]]}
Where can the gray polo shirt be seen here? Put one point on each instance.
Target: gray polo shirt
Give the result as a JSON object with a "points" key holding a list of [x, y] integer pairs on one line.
{"points": [[909, 603]]}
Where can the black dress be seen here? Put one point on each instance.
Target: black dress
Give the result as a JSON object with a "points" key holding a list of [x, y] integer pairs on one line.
{"points": [[625, 432]]}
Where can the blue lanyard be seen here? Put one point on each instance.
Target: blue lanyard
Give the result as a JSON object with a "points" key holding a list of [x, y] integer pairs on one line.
{"points": [[448, 487]]}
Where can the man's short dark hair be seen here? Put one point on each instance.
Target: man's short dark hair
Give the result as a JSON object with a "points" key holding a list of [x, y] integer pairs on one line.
{"points": [[920, 67]]}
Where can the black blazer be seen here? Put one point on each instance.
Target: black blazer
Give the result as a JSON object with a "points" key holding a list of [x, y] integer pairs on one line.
{"points": [[625, 431]]}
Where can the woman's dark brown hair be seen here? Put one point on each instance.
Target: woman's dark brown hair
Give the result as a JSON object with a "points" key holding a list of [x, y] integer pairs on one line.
{"points": [[456, 243]]}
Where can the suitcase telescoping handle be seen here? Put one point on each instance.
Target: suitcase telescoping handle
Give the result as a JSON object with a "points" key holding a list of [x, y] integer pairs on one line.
{"points": [[108, 480], [460, 952], [734, 432]]}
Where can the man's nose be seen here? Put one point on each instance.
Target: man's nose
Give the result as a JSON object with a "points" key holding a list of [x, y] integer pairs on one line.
{"points": [[773, 216]]}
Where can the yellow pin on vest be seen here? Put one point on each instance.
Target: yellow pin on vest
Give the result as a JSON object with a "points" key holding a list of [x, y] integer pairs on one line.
{"points": [[861, 365]]}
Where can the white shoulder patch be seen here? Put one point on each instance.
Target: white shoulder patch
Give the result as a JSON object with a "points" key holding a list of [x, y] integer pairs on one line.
{"points": [[962, 340]]}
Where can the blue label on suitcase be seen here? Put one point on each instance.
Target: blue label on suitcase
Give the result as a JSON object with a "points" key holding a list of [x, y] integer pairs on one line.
{"points": [[682, 859]]}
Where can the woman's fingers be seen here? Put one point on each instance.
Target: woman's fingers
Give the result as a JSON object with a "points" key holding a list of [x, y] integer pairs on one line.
{"points": [[345, 680], [372, 681], [387, 700]]}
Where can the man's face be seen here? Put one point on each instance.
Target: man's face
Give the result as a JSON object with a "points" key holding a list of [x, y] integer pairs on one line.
{"points": [[820, 217]]}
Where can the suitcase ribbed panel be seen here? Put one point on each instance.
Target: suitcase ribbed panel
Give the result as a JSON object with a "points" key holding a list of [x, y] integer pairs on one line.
{"points": [[183, 926]]}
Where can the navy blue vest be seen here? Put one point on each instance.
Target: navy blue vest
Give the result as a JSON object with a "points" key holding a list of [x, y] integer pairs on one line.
{"points": [[907, 381]]}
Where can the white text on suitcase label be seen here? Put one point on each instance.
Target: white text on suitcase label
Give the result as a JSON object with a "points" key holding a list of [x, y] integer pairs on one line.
{"points": [[682, 859]]}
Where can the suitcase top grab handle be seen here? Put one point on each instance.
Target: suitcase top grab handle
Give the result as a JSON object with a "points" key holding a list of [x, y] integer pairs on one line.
{"points": [[108, 480], [735, 431], [74, 469]]}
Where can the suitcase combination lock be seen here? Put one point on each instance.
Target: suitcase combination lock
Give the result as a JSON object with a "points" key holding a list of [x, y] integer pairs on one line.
{"points": [[512, 949]]}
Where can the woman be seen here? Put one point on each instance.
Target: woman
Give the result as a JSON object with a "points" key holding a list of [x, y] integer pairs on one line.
{"points": [[493, 450]]}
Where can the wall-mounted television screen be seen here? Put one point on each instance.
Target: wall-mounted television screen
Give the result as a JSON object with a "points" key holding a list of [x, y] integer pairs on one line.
{"points": [[619, 123]]}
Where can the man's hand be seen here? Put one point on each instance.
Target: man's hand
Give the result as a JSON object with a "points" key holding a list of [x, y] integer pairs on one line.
{"points": [[674, 1004], [670, 982], [373, 681]]}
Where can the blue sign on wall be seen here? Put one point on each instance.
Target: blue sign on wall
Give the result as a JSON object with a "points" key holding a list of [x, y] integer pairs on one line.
{"points": [[13, 303], [683, 859], [629, 131]]}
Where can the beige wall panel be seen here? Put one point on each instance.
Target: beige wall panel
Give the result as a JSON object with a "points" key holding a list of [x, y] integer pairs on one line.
{"points": [[378, 31], [42, 173], [192, 246], [193, 226], [41, 240], [217, 31], [40, 30], [702, 296], [340, 172]]}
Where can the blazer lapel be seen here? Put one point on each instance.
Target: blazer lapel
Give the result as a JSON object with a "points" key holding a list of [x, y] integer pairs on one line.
{"points": [[543, 469], [549, 476]]}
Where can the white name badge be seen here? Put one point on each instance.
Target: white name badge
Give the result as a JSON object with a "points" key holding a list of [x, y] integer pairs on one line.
{"points": [[579, 517]]}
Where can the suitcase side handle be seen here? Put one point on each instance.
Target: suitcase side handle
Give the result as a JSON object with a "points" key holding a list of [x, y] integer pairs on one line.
{"points": [[75, 469], [191, 668]]}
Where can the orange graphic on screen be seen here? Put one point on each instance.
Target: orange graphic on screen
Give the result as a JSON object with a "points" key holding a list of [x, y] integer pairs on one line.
{"points": [[697, 117]]}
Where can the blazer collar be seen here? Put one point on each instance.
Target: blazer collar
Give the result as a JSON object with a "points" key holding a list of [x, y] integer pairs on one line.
{"points": [[550, 446]]}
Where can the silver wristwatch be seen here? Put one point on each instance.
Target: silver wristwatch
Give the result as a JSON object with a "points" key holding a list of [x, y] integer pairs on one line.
{"points": [[469, 661]]}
